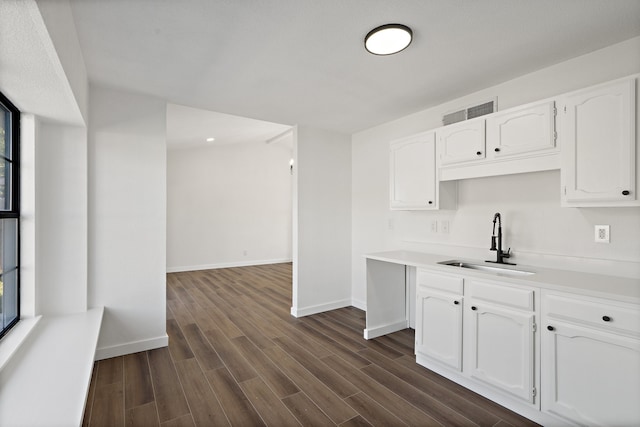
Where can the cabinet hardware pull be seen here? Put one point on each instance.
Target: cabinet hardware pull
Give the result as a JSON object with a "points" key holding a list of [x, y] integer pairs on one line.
{"points": [[496, 150], [456, 302], [474, 308], [626, 192], [430, 202], [479, 153], [606, 318], [550, 328]]}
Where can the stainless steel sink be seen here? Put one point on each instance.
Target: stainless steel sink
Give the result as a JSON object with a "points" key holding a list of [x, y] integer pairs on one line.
{"points": [[488, 268]]}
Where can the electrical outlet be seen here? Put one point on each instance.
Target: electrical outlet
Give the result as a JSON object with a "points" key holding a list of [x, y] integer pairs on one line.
{"points": [[602, 233], [434, 226], [444, 227], [390, 224]]}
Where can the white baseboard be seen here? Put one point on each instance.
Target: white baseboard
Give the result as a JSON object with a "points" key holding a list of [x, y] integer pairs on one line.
{"points": [[226, 265], [378, 331], [131, 347], [320, 308], [362, 305]]}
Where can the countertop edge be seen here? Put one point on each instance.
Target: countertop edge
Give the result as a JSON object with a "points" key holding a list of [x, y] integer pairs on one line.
{"points": [[595, 285]]}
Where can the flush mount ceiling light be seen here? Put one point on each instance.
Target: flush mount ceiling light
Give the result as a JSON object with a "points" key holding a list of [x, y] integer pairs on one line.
{"points": [[210, 139], [388, 39]]}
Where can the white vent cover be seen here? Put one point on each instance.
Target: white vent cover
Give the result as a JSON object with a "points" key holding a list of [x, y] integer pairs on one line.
{"points": [[469, 112]]}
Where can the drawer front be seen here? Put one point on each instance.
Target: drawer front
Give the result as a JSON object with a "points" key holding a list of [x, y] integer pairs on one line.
{"points": [[504, 295], [441, 282], [603, 314]]}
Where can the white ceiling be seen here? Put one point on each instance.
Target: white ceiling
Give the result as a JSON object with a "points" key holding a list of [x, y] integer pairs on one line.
{"points": [[190, 127], [303, 61]]}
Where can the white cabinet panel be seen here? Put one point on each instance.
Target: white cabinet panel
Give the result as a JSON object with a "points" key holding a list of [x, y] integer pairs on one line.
{"points": [[413, 172], [440, 282], [461, 142], [598, 145], [501, 348], [526, 130], [439, 326], [590, 377]]}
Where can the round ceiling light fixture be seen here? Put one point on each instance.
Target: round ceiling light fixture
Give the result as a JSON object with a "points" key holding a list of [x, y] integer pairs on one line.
{"points": [[388, 39]]}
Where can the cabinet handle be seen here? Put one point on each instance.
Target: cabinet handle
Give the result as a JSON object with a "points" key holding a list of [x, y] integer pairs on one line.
{"points": [[606, 318], [456, 302], [430, 202], [626, 192], [496, 150], [474, 308], [550, 328], [479, 153]]}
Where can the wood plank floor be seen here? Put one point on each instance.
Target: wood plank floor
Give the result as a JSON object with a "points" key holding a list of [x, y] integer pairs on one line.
{"points": [[237, 357]]}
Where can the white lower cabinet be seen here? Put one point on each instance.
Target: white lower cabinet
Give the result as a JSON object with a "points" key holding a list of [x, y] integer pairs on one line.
{"points": [[439, 316], [498, 326], [501, 351], [591, 361], [500, 337], [558, 358]]}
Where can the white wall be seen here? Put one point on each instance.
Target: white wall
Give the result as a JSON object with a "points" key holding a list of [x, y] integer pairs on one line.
{"points": [[538, 230], [127, 219], [42, 69], [228, 205], [322, 221], [29, 131], [61, 28], [61, 219], [44, 75]]}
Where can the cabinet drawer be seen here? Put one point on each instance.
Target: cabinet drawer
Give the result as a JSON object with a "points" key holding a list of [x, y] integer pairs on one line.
{"points": [[504, 295], [623, 318], [442, 282]]}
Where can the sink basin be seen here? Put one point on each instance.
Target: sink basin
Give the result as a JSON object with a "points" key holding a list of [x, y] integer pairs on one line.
{"points": [[488, 268]]}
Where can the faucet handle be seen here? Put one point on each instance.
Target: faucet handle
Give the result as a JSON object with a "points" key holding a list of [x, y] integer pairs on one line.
{"points": [[506, 254]]}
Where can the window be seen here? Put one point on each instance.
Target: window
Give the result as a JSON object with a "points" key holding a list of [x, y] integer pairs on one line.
{"points": [[9, 214]]}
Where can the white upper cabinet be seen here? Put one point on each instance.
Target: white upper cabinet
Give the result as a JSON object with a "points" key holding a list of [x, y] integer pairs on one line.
{"points": [[413, 172], [599, 145], [522, 131], [517, 140], [461, 142], [413, 182]]}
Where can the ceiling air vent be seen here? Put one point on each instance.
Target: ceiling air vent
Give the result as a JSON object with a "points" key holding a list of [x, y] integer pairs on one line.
{"points": [[469, 113]]}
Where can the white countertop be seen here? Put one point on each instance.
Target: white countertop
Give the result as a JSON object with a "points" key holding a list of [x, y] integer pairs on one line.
{"points": [[596, 285]]}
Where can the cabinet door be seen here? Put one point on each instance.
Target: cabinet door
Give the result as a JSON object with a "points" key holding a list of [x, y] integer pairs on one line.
{"points": [[501, 348], [589, 377], [439, 327], [461, 142], [521, 131], [598, 153], [413, 173]]}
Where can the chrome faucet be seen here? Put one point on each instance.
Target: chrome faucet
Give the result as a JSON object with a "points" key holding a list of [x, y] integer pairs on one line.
{"points": [[501, 255]]}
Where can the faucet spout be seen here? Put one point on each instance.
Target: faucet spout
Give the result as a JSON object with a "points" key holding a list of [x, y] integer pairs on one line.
{"points": [[496, 242]]}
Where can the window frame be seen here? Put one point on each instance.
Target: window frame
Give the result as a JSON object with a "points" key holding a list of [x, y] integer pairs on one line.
{"points": [[14, 213]]}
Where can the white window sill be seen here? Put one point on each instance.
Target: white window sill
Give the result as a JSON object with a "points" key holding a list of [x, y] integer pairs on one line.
{"points": [[51, 372], [11, 342]]}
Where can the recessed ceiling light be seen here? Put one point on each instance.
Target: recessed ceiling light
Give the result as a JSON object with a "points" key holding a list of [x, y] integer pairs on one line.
{"points": [[388, 39], [210, 139]]}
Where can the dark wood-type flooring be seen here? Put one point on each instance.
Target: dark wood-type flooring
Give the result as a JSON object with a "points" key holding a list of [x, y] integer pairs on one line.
{"points": [[237, 357]]}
